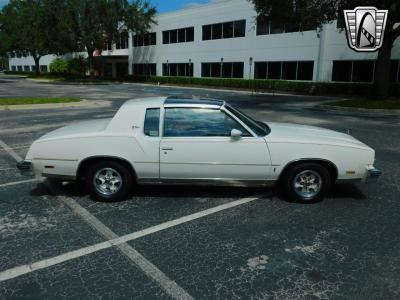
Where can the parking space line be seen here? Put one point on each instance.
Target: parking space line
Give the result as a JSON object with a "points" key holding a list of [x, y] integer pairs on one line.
{"points": [[18, 182], [113, 240], [10, 151], [168, 285], [21, 270]]}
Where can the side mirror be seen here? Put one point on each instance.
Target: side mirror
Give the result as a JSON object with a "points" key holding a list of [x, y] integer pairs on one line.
{"points": [[236, 133]]}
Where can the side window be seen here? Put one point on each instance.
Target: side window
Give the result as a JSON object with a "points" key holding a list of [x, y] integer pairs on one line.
{"points": [[199, 122], [152, 122]]}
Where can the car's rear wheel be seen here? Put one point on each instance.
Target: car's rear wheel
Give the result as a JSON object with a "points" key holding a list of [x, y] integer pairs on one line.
{"points": [[306, 183], [109, 181]]}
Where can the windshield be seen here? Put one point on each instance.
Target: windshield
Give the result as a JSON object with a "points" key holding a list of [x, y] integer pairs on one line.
{"points": [[257, 127]]}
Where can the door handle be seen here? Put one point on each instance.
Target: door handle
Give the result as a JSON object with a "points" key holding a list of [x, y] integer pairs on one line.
{"points": [[167, 148]]}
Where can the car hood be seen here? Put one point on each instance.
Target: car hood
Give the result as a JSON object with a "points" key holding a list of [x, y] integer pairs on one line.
{"points": [[78, 129], [292, 133]]}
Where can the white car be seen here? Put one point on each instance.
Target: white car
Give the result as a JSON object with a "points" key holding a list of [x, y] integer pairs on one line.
{"points": [[198, 141]]}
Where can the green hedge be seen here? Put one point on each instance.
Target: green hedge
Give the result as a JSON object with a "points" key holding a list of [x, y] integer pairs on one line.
{"points": [[18, 73], [298, 87]]}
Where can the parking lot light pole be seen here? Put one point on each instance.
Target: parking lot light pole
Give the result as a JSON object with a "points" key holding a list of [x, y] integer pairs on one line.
{"points": [[190, 67], [167, 68], [251, 64], [222, 65]]}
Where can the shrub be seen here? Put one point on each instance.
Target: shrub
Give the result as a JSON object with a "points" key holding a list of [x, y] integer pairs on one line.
{"points": [[298, 87], [59, 66], [77, 66]]}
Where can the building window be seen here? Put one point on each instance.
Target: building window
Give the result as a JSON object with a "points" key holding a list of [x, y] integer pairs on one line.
{"points": [[109, 46], [207, 32], [43, 68], [264, 27], [178, 69], [239, 28], [353, 71], [289, 70], [292, 70], [182, 35], [226, 30], [363, 71], [27, 69], [144, 69], [224, 70], [190, 34], [122, 41], [19, 68], [147, 39], [13, 68], [33, 68]]}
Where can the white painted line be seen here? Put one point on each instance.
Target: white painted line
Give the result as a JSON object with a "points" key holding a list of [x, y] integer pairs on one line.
{"points": [[185, 219], [19, 147], [18, 182], [10, 151], [25, 269], [6, 169]]}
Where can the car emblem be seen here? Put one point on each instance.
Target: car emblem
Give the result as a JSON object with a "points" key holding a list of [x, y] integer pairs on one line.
{"points": [[365, 27]]}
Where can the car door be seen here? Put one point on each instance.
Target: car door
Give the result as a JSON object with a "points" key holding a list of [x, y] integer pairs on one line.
{"points": [[197, 144]]}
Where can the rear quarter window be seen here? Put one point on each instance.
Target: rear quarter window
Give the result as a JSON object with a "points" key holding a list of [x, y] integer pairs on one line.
{"points": [[152, 122]]}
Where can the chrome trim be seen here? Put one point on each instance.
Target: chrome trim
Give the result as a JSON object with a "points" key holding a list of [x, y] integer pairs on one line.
{"points": [[212, 163], [55, 159], [239, 121], [189, 105], [207, 182]]}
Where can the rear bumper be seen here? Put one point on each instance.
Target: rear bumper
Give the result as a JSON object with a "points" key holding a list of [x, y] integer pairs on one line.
{"points": [[372, 175], [25, 168]]}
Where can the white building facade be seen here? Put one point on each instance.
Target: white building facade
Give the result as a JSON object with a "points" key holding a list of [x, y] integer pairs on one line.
{"points": [[223, 39]]}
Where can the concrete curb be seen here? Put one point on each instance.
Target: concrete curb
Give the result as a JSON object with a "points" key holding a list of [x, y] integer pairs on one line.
{"points": [[244, 92], [359, 111], [58, 82], [81, 104]]}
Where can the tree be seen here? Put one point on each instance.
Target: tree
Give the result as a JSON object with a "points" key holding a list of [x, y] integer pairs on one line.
{"points": [[96, 22], [36, 27], [315, 13]]}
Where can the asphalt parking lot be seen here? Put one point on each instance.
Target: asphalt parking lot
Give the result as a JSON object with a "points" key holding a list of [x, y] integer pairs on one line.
{"points": [[195, 242]]}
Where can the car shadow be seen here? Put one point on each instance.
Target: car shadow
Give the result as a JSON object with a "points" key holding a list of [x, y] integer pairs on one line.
{"points": [[77, 189], [339, 191]]}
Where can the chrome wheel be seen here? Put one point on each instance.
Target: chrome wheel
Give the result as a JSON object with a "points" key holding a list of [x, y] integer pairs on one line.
{"points": [[107, 181], [307, 184]]}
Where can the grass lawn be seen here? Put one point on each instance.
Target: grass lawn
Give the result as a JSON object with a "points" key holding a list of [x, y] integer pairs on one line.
{"points": [[20, 101], [368, 103]]}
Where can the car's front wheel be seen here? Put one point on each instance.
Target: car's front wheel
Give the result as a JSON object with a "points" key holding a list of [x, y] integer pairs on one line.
{"points": [[109, 181], [306, 183]]}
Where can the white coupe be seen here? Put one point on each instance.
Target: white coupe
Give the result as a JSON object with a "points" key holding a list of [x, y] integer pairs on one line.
{"points": [[177, 140]]}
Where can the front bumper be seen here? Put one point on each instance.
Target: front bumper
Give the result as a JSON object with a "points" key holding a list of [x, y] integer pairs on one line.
{"points": [[25, 168], [372, 175]]}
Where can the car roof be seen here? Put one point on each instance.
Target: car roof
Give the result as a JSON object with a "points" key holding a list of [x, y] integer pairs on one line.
{"points": [[189, 101]]}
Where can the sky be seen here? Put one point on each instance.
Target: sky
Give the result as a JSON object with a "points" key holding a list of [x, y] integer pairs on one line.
{"points": [[162, 5]]}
